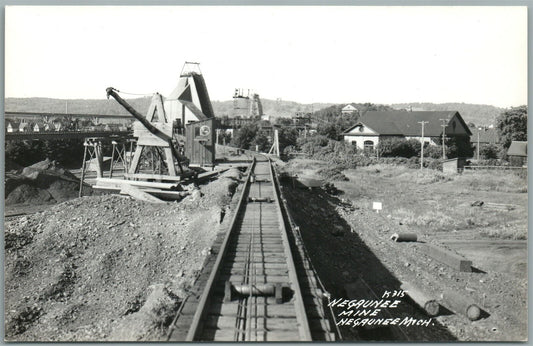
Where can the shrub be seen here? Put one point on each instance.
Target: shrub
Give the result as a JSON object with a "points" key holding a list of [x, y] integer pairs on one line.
{"points": [[333, 173], [433, 151], [396, 146], [488, 151], [244, 136]]}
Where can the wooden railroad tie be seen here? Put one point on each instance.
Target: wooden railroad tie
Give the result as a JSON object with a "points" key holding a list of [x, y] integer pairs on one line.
{"points": [[429, 304], [461, 305], [447, 257]]}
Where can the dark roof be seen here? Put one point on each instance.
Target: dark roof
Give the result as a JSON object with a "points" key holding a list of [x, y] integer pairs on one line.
{"points": [[486, 135], [407, 123], [517, 148]]}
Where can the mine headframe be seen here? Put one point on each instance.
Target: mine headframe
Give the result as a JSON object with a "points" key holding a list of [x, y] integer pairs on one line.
{"points": [[187, 107]]}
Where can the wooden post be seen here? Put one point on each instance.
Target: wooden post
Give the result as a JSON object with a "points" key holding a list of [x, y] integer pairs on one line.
{"points": [[422, 145], [449, 258], [398, 237], [430, 305], [135, 161], [83, 170], [99, 160], [276, 139], [477, 148], [170, 161], [461, 305], [224, 144], [443, 138], [112, 159]]}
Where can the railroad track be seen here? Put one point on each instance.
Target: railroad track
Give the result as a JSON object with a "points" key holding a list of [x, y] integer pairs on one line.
{"points": [[257, 285], [13, 216]]}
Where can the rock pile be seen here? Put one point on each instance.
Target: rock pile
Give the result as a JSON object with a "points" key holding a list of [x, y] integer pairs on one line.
{"points": [[43, 182], [107, 268]]}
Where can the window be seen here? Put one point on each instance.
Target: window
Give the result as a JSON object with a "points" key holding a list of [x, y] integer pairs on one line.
{"points": [[369, 145]]}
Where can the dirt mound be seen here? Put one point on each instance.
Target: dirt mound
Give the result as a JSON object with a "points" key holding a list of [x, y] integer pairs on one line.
{"points": [[29, 194], [43, 182], [107, 268]]}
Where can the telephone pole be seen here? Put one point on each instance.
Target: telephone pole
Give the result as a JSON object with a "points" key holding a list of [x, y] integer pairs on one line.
{"points": [[477, 146], [422, 144], [444, 123]]}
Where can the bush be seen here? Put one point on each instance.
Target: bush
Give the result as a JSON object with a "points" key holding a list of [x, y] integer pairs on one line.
{"points": [[395, 146], [341, 153], [433, 151], [333, 173], [459, 147], [244, 136], [261, 142], [489, 151]]}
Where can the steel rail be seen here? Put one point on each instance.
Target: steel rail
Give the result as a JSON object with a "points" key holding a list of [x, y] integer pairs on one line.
{"points": [[239, 270], [204, 299], [305, 331]]}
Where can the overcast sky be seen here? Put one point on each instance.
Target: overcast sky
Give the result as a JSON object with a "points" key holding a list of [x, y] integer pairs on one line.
{"points": [[304, 54]]}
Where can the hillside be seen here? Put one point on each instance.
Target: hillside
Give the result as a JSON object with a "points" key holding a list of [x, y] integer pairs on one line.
{"points": [[80, 106], [271, 107], [477, 114], [471, 113], [111, 107]]}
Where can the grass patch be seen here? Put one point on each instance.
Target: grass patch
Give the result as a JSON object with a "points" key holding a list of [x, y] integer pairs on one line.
{"points": [[436, 220], [501, 181], [513, 233], [425, 177]]}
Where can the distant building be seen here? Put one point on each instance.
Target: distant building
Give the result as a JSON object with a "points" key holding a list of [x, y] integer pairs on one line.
{"points": [[24, 127], [485, 135], [376, 125], [349, 109], [517, 153], [12, 126], [57, 125], [40, 126]]}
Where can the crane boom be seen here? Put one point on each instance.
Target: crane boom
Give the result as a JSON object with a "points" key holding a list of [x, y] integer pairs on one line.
{"points": [[154, 130]]}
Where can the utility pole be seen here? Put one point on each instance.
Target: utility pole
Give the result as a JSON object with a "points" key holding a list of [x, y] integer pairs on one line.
{"points": [[477, 146], [444, 122], [422, 144]]}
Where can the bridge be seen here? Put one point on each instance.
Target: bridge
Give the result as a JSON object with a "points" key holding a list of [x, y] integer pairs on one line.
{"points": [[48, 115], [54, 135]]}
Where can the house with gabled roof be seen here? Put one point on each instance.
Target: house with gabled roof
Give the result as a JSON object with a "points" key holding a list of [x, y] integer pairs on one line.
{"points": [[485, 135], [348, 109], [12, 126], [517, 153], [376, 125], [40, 126], [57, 125], [24, 127]]}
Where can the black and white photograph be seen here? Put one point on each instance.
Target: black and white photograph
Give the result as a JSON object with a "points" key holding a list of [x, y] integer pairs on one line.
{"points": [[253, 173]]}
